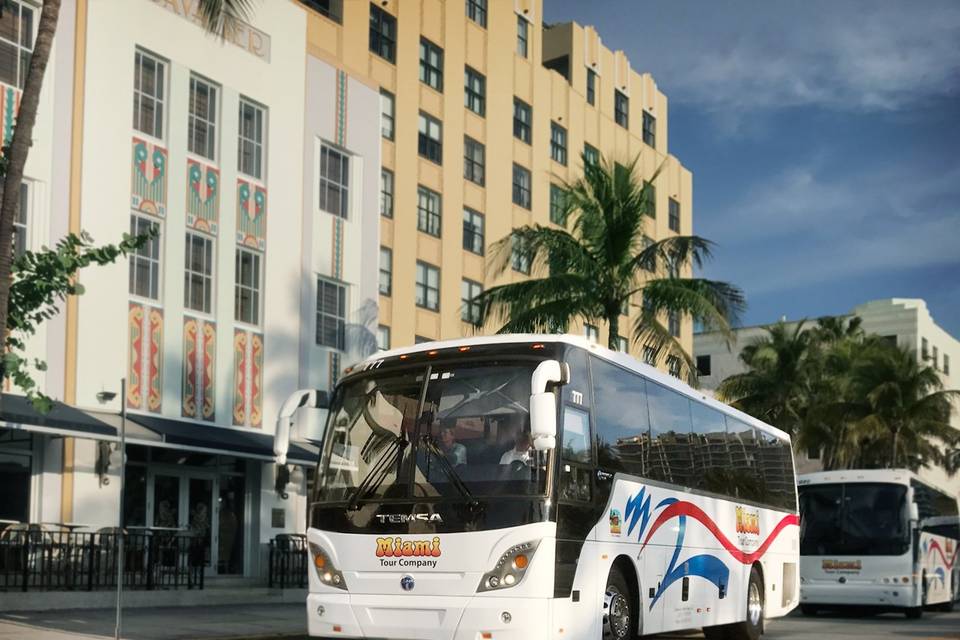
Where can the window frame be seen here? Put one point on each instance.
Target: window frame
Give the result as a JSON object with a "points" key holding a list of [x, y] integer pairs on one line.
{"points": [[557, 207], [255, 289], [429, 147], [388, 120], [704, 370], [431, 64], [558, 143], [474, 91], [429, 221], [471, 167], [590, 154], [476, 10], [325, 8], [649, 129], [425, 288], [159, 97], [522, 195], [383, 331], [339, 187], [471, 235], [208, 122], [674, 324], [155, 264], [621, 108], [522, 121], [322, 316], [523, 37], [591, 92], [470, 310], [386, 197], [382, 40], [673, 214], [207, 280], [591, 332], [386, 259], [257, 146], [519, 260]]}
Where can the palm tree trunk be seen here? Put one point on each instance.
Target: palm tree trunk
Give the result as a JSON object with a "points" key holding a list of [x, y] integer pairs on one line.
{"points": [[893, 459], [613, 326], [16, 155]]}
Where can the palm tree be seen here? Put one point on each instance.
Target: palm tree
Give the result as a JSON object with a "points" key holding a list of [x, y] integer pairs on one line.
{"points": [[601, 262], [776, 386]]}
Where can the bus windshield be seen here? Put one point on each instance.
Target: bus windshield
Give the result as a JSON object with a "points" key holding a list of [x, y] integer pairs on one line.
{"points": [[867, 519], [445, 430]]}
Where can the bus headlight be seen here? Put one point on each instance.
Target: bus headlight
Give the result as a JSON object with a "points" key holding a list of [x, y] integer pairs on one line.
{"points": [[510, 568], [326, 571]]}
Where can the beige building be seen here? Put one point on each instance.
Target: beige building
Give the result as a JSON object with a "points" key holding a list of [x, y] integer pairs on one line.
{"points": [[486, 111]]}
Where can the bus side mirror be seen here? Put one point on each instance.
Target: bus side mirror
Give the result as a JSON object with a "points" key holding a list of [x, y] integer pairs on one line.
{"points": [[914, 512], [310, 398], [543, 404]]}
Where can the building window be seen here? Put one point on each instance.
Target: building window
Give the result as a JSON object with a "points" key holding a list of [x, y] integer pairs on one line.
{"points": [[21, 235], [477, 11], [198, 273], [558, 143], [936, 358], [649, 355], [332, 9], [431, 64], [386, 193], [202, 119], [591, 332], [673, 320], [252, 135], [673, 366], [924, 349], [590, 154], [144, 262], [473, 231], [428, 286], [674, 214], [383, 33], [523, 37], [331, 314], [521, 186], [334, 181], [469, 306], [519, 257], [387, 104], [649, 130], [386, 271], [383, 338], [946, 364], [149, 76], [522, 119], [621, 109], [558, 214], [703, 365], [591, 86], [474, 160], [622, 345], [428, 211], [650, 198], [475, 91], [246, 302], [430, 139], [16, 42]]}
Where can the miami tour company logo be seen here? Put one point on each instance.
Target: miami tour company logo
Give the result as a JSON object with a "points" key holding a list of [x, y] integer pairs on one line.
{"points": [[748, 521], [419, 554], [841, 566]]}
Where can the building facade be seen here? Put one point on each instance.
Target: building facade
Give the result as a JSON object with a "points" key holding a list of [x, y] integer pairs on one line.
{"points": [[254, 167], [486, 112], [906, 321]]}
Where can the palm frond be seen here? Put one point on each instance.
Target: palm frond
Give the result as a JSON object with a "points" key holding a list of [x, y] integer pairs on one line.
{"points": [[222, 17]]}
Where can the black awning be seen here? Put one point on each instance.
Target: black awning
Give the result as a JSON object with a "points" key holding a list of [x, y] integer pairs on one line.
{"points": [[16, 412], [240, 442]]}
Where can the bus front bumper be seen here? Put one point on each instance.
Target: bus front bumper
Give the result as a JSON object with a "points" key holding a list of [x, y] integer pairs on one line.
{"points": [[877, 595], [427, 617]]}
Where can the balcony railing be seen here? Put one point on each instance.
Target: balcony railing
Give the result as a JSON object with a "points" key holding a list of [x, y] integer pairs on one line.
{"points": [[36, 557], [288, 561]]}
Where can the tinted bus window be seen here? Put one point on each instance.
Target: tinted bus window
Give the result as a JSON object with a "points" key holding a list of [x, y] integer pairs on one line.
{"points": [[776, 467], [576, 435], [932, 503], [711, 456], [622, 422], [745, 480], [670, 458]]}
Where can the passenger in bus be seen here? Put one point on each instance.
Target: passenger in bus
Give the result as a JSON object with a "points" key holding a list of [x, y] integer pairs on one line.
{"points": [[520, 451], [453, 451]]}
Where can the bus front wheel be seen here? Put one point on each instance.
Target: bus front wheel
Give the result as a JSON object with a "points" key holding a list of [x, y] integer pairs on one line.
{"points": [[618, 608]]}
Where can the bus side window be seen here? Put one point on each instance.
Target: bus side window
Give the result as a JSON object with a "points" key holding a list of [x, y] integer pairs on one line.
{"points": [[776, 467], [670, 458], [574, 479], [622, 420], [745, 482], [710, 453]]}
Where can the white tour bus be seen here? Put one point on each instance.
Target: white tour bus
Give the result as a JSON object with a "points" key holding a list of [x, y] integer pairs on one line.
{"points": [[877, 537], [538, 487]]}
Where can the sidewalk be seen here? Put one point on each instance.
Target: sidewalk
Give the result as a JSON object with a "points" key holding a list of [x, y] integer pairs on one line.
{"points": [[164, 623]]}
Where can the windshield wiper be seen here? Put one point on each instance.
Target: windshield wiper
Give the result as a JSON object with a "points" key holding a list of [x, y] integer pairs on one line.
{"points": [[445, 466], [378, 473]]}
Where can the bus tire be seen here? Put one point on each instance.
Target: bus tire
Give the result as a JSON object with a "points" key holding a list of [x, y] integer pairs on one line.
{"points": [[619, 615], [752, 627]]}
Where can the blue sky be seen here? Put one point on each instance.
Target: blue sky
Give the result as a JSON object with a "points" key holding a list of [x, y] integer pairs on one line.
{"points": [[824, 140]]}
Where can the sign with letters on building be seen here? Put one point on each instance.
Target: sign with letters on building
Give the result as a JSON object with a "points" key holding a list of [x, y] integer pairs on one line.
{"points": [[241, 34]]}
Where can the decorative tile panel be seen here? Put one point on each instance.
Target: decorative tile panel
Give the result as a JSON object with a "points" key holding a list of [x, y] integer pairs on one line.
{"points": [[9, 107], [247, 378], [149, 178], [203, 197], [199, 367], [145, 357], [251, 215]]}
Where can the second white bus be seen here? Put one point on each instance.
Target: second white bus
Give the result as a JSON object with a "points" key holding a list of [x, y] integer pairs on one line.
{"points": [[543, 487]]}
